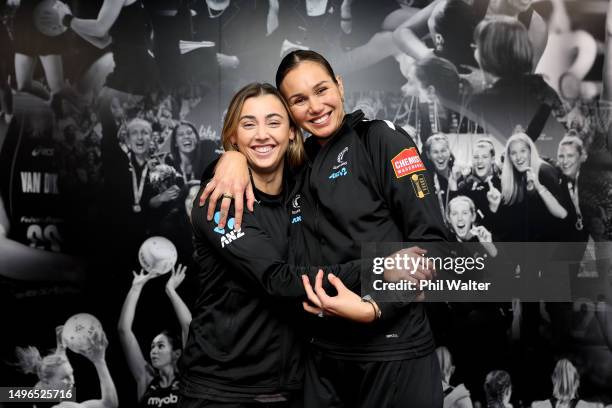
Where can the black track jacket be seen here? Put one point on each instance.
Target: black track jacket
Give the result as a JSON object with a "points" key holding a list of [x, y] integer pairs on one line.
{"points": [[243, 340], [366, 184]]}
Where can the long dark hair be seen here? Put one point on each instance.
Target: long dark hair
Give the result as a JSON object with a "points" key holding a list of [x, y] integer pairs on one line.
{"points": [[176, 156]]}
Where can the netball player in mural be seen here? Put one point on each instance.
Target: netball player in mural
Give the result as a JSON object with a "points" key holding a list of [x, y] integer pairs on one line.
{"points": [[30, 44], [55, 372], [158, 380], [124, 25]]}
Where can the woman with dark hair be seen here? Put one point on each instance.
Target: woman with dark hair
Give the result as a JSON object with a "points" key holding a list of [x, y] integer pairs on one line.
{"points": [[516, 97], [441, 98], [156, 380], [190, 156], [498, 389], [376, 167]]}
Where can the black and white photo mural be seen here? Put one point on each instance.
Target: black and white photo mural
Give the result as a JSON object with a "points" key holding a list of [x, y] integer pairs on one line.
{"points": [[112, 121]]}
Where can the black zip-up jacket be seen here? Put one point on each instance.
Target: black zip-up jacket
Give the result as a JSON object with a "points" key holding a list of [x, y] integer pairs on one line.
{"points": [[366, 184], [242, 341]]}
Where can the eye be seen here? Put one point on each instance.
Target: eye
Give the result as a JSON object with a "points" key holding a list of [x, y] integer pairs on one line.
{"points": [[321, 90], [274, 124], [300, 100], [248, 125]]}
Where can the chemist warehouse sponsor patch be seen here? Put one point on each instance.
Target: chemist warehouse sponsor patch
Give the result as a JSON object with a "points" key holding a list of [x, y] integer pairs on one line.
{"points": [[407, 162]]}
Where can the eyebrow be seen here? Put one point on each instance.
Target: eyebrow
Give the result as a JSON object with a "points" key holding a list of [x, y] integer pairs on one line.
{"points": [[316, 85], [268, 116]]}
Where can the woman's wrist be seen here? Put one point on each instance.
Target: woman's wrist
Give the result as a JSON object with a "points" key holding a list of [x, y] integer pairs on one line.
{"points": [[374, 310]]}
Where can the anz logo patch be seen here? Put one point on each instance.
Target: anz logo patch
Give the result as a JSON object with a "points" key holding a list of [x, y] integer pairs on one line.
{"points": [[231, 236], [340, 173]]}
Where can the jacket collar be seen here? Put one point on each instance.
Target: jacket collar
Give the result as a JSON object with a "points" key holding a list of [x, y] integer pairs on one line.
{"points": [[350, 120]]}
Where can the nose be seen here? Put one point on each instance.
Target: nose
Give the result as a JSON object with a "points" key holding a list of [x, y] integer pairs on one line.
{"points": [[315, 106]]}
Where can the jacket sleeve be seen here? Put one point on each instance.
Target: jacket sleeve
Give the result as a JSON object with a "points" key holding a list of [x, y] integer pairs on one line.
{"points": [[252, 253], [407, 187], [405, 182]]}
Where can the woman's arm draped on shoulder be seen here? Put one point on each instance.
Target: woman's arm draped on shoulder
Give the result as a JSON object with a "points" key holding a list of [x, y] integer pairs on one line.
{"points": [[131, 348]]}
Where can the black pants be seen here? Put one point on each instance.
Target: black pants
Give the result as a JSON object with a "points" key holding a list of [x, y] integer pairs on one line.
{"points": [[188, 402], [333, 383]]}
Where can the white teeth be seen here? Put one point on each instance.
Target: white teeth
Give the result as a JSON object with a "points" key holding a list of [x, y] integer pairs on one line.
{"points": [[263, 149], [321, 119]]}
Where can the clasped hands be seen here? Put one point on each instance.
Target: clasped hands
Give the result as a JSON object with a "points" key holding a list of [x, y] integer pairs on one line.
{"points": [[349, 305]]}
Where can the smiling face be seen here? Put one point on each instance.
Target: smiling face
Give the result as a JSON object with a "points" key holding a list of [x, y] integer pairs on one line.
{"points": [[62, 378], [263, 133], [439, 154], [569, 159], [139, 138], [186, 139], [482, 161], [461, 217], [520, 156], [314, 98], [162, 353]]}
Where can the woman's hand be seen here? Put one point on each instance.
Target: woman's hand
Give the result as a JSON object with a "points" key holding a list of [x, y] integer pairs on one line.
{"points": [[96, 352], [62, 10], [532, 179], [141, 278], [485, 238], [231, 179], [176, 278], [482, 234], [346, 304], [169, 194]]}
